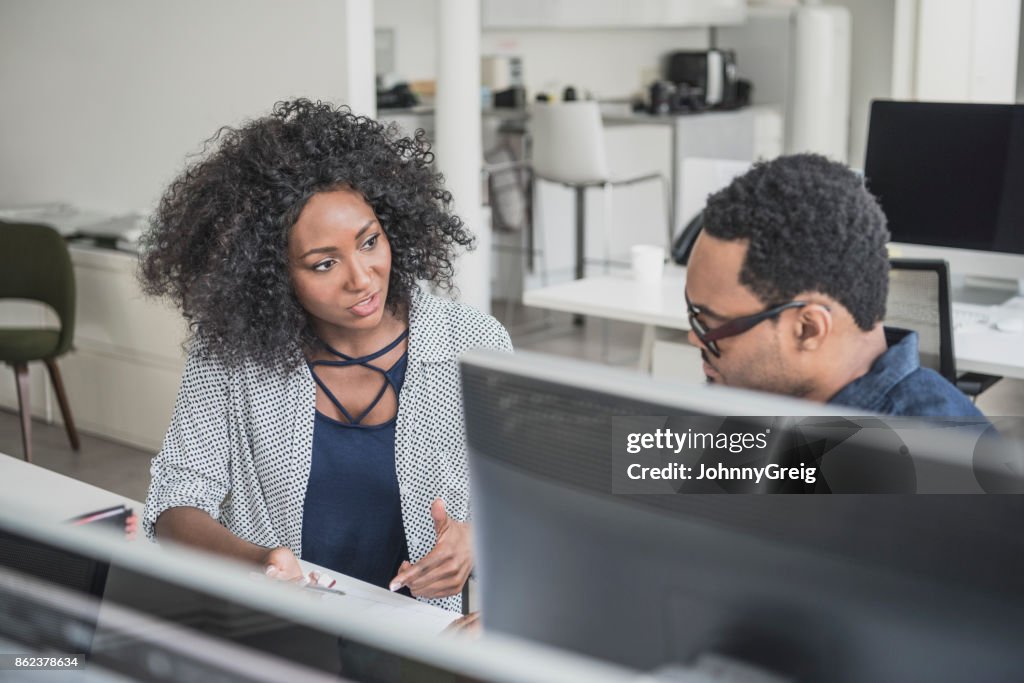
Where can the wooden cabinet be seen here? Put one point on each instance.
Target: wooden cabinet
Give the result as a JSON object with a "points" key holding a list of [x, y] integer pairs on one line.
{"points": [[568, 14], [122, 376]]}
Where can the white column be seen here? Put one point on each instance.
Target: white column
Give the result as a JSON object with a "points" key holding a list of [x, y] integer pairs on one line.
{"points": [[904, 49], [458, 138], [967, 50], [360, 58]]}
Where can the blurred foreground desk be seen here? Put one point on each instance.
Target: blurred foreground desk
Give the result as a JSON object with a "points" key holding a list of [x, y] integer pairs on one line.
{"points": [[661, 307], [164, 616], [55, 498]]}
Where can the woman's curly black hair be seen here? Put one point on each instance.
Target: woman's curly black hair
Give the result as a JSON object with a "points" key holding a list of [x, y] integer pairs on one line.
{"points": [[812, 226], [218, 243]]}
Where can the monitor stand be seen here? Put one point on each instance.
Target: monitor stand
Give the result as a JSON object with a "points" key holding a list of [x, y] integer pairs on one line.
{"points": [[984, 291]]}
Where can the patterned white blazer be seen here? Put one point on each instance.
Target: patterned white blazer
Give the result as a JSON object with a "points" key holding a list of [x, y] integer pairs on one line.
{"points": [[240, 441]]}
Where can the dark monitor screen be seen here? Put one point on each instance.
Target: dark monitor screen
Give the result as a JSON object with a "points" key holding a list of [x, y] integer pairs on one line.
{"points": [[810, 587], [949, 175]]}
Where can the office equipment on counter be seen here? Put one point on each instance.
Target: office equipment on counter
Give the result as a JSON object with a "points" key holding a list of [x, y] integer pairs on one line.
{"points": [[948, 176], [502, 75], [968, 316], [708, 77], [398, 96], [118, 232], [838, 588], [100, 228], [62, 217]]}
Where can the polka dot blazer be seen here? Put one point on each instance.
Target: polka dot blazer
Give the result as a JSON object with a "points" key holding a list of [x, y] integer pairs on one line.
{"points": [[240, 441]]}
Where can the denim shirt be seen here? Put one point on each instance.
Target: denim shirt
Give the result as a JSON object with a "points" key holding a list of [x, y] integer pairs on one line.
{"points": [[896, 384]]}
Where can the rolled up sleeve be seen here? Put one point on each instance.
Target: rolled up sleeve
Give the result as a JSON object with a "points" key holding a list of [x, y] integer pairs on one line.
{"points": [[193, 466]]}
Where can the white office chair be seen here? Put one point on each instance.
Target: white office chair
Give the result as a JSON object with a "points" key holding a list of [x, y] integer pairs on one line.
{"points": [[568, 148]]}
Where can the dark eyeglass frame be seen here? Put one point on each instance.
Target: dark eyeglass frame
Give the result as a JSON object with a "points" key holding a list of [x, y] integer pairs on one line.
{"points": [[709, 337]]}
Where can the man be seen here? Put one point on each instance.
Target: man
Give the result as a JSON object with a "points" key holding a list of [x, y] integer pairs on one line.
{"points": [[786, 289]]}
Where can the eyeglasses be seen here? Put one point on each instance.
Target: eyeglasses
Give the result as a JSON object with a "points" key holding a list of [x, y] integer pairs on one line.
{"points": [[709, 337]]}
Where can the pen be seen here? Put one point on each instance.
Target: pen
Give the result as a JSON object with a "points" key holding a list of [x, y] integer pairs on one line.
{"points": [[325, 589], [324, 584]]}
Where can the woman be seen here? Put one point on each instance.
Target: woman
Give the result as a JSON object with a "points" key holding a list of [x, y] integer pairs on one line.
{"points": [[320, 411]]}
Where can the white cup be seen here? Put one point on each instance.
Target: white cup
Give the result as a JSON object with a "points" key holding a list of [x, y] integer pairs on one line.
{"points": [[648, 263]]}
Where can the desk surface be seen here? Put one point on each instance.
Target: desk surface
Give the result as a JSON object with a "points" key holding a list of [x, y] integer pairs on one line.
{"points": [[56, 497], [619, 297]]}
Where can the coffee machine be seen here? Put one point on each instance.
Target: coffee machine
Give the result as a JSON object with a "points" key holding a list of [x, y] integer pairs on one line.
{"points": [[503, 76], [697, 80]]}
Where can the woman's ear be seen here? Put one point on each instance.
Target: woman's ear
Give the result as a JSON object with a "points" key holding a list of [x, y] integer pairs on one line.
{"points": [[814, 325]]}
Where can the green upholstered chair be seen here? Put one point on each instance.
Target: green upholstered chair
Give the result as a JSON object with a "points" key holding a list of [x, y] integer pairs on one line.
{"points": [[35, 264]]}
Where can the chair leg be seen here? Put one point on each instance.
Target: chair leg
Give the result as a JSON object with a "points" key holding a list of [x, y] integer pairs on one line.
{"points": [[581, 236], [609, 208], [24, 408], [62, 399], [669, 211]]}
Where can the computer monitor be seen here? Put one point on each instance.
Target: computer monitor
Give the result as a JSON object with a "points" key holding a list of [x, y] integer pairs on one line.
{"points": [[166, 613], [58, 628], [809, 587], [948, 177]]}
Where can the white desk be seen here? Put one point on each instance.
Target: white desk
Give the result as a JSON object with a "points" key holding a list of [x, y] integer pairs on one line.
{"points": [[55, 497], [661, 306]]}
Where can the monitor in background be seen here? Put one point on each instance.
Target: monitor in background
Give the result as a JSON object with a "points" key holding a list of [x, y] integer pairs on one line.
{"points": [[948, 176], [837, 588]]}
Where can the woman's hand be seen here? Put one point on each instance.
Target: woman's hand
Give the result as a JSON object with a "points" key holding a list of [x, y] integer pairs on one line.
{"points": [[468, 625], [280, 563], [131, 526], [444, 570]]}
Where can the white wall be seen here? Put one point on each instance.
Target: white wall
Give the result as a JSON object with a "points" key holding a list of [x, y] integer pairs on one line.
{"points": [[1020, 59], [104, 99], [870, 66], [609, 63], [966, 50]]}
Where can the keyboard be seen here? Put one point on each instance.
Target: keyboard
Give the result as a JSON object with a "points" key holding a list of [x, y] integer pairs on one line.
{"points": [[967, 315]]}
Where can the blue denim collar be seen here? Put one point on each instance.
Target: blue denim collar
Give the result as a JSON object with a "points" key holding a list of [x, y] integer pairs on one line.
{"points": [[870, 390]]}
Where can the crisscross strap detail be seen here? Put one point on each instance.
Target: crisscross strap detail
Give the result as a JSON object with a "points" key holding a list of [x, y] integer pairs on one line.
{"points": [[349, 361]]}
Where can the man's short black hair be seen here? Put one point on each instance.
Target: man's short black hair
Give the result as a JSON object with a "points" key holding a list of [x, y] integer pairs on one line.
{"points": [[812, 226]]}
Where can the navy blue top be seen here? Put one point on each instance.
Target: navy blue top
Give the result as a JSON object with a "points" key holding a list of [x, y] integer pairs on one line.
{"points": [[352, 514], [896, 384]]}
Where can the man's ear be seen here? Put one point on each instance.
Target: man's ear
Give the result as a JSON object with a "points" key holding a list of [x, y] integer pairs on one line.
{"points": [[814, 325]]}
